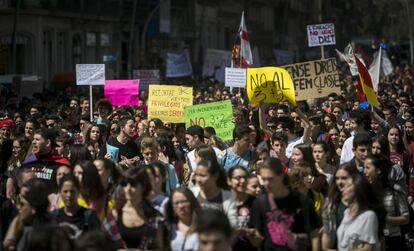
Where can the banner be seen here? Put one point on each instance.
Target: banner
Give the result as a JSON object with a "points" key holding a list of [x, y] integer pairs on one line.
{"points": [[122, 92], [178, 65], [217, 115], [167, 102], [321, 34], [315, 79], [147, 76], [269, 85], [90, 74], [213, 61]]}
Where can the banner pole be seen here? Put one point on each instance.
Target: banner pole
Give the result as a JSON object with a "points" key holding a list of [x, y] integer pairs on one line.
{"points": [[322, 52], [90, 103]]}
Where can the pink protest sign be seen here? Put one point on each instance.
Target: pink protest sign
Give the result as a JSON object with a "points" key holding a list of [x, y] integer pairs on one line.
{"points": [[122, 92]]}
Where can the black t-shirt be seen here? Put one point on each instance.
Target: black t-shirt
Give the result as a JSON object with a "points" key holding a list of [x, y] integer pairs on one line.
{"points": [[296, 205], [129, 150], [214, 203], [243, 213], [83, 220]]}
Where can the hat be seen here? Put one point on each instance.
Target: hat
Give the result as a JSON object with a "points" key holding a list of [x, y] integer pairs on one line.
{"points": [[6, 124], [195, 130]]}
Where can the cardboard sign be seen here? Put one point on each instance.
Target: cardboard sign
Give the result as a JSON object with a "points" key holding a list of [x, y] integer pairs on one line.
{"points": [[122, 92], [217, 115], [147, 76], [90, 74], [178, 65], [167, 102], [315, 79], [269, 85], [321, 34], [235, 77]]}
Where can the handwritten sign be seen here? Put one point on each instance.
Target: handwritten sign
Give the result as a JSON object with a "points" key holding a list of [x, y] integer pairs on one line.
{"points": [[167, 102], [235, 77], [321, 34], [269, 85], [315, 79], [90, 74], [122, 92], [217, 115]]}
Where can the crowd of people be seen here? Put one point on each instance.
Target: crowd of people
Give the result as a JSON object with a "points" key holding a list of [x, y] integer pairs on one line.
{"points": [[329, 174]]}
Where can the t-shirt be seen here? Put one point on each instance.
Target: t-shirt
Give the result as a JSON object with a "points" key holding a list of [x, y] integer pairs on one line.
{"points": [[355, 231], [397, 158], [214, 203], [83, 220], [295, 206], [393, 201], [292, 144], [243, 216], [45, 167], [229, 159], [180, 241], [347, 154], [129, 149]]}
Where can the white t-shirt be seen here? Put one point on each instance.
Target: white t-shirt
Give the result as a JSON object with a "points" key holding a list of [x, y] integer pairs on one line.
{"points": [[181, 242], [292, 144], [347, 154], [354, 232], [191, 157]]}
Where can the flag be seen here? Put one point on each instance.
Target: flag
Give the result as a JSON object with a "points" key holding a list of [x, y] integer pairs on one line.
{"points": [[375, 69], [366, 83], [241, 52], [349, 57]]}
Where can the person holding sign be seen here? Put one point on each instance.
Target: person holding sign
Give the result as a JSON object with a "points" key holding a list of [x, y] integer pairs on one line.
{"points": [[128, 150]]}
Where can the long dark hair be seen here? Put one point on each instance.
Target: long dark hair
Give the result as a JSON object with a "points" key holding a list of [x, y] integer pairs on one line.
{"points": [[88, 135], [400, 144], [78, 154], [194, 205], [385, 145], [308, 157], [334, 195], [367, 199], [91, 185], [215, 169], [167, 147], [382, 163]]}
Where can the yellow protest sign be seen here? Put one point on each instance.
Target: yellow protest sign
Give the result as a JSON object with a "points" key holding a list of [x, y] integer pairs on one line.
{"points": [[269, 85], [167, 102]]}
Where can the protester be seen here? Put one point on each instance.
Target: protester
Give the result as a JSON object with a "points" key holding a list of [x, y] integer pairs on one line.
{"points": [[182, 213]]}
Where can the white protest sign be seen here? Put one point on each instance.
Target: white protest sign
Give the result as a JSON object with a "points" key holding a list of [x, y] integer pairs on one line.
{"points": [[178, 65], [90, 74], [235, 77], [321, 34], [147, 76]]}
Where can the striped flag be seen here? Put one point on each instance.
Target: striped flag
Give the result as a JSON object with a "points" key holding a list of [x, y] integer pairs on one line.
{"points": [[366, 83], [241, 52]]}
